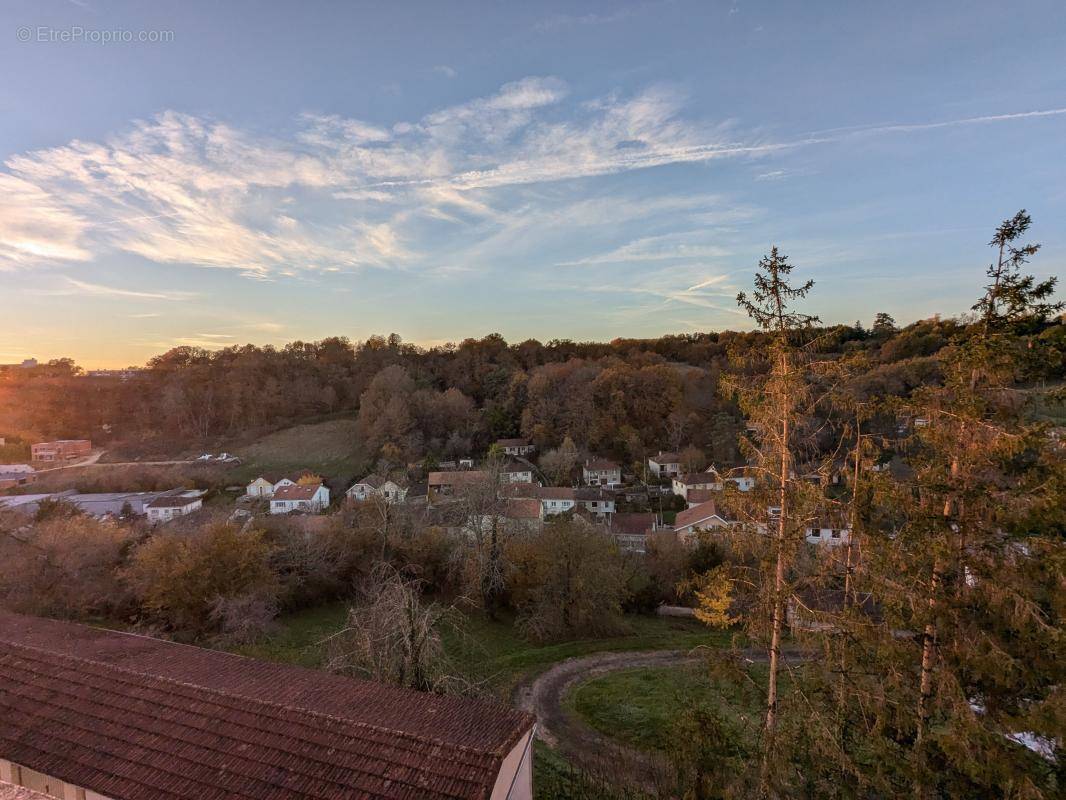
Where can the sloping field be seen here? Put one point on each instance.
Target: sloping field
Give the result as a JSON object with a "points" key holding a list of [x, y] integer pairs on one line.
{"points": [[331, 449]]}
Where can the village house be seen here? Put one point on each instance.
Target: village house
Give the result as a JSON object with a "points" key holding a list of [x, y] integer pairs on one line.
{"points": [[310, 497], [164, 509], [665, 465], [222, 725], [707, 481], [516, 472], [601, 472], [264, 486], [516, 447], [741, 476], [631, 529], [373, 485], [61, 450], [828, 533], [447, 483], [704, 517], [560, 499]]}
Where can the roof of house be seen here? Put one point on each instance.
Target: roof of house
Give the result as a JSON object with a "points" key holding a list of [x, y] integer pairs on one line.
{"points": [[557, 492], [373, 480], [632, 523], [297, 491], [515, 466], [697, 496], [696, 514], [521, 508], [457, 478], [513, 442], [138, 718], [666, 458], [173, 501], [696, 478], [601, 463]]}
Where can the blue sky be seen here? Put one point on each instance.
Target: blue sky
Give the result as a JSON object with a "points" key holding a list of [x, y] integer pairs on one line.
{"points": [[276, 171]]}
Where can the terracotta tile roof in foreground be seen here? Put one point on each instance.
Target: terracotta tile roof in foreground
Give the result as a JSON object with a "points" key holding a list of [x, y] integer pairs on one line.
{"points": [[137, 718]]}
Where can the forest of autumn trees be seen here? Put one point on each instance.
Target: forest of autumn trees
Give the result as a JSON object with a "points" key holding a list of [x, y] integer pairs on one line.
{"points": [[626, 398]]}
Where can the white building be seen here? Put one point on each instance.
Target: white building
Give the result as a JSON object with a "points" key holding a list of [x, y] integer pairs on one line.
{"points": [[560, 499], [312, 498], [601, 472], [665, 465], [264, 487], [516, 473], [164, 509], [516, 447], [703, 517], [376, 486], [824, 533]]}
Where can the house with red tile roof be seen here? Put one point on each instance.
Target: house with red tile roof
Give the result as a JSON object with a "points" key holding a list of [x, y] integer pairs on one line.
{"points": [[601, 472], [116, 716], [310, 497], [704, 517]]}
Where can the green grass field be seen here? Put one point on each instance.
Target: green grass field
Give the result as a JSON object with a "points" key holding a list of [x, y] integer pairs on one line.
{"points": [[489, 652], [640, 706], [328, 448]]}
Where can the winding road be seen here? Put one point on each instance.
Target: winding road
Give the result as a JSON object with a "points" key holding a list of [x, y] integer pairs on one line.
{"points": [[587, 748], [581, 744]]}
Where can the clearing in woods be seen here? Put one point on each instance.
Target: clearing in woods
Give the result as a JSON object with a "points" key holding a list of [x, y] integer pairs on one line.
{"points": [[329, 448]]}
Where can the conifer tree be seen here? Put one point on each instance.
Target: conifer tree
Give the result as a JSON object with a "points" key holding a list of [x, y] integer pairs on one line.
{"points": [[773, 407]]}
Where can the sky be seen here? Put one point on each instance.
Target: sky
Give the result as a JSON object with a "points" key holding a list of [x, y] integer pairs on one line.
{"points": [[211, 174]]}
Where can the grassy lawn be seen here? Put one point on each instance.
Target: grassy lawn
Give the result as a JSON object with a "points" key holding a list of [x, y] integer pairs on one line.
{"points": [[328, 448], [491, 652], [639, 706]]}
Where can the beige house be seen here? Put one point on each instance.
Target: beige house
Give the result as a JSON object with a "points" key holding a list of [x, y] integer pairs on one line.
{"points": [[225, 726], [391, 491]]}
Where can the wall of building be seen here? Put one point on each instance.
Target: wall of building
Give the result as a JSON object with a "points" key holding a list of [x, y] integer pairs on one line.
{"points": [[45, 784], [515, 781]]}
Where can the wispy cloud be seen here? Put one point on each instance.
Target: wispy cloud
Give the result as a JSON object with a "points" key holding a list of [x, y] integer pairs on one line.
{"points": [[344, 194], [446, 71], [73, 286]]}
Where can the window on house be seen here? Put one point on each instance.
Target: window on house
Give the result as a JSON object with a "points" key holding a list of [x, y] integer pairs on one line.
{"points": [[835, 534]]}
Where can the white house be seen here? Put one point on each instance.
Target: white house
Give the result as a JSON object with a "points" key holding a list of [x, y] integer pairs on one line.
{"points": [[825, 533], [709, 481], [299, 497], [704, 517], [560, 499], [665, 465], [376, 486], [601, 472], [164, 509], [516, 447], [264, 487], [516, 472], [260, 487]]}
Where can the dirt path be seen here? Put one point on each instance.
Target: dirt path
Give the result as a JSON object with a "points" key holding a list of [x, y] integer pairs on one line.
{"points": [[581, 744], [586, 747]]}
